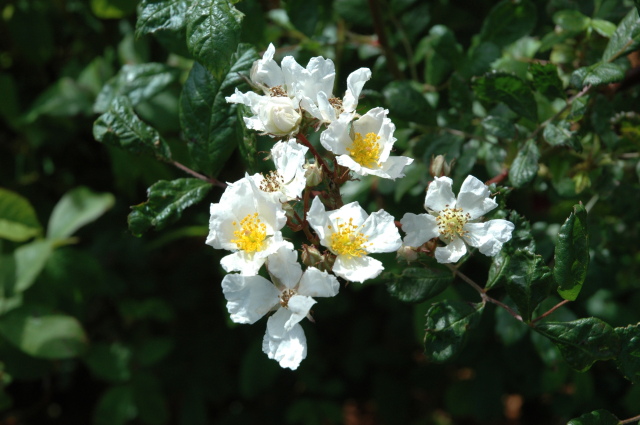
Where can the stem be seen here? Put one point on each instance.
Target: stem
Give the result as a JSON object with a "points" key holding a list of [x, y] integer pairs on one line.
{"points": [[551, 310], [572, 99], [500, 177], [198, 175], [314, 152], [627, 421], [378, 25]]}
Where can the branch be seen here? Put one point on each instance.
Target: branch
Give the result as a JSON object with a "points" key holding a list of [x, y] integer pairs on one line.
{"points": [[570, 101], [628, 421], [198, 175], [551, 310]]}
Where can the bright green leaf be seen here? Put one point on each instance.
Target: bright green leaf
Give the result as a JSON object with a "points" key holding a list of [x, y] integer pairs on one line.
{"points": [[572, 254], [30, 260], [525, 166], [418, 284], [112, 9], [571, 20], [597, 417], [206, 117], [546, 80], [625, 39], [508, 21], [121, 127], [604, 28], [582, 342], [18, 220], [509, 89], [116, 406], [167, 201], [628, 360], [75, 209], [448, 323], [161, 15], [597, 74], [499, 127], [406, 103], [42, 333], [527, 280]]}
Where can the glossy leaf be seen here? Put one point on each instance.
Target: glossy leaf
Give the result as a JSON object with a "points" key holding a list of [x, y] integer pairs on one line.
{"points": [[508, 21], [213, 34], [625, 39], [546, 80], [510, 90], [75, 209], [448, 323], [572, 254], [560, 134], [628, 360], [167, 201], [406, 103], [525, 166], [206, 117], [527, 280], [418, 284], [597, 417], [137, 82], [499, 127], [18, 219], [597, 74], [582, 342], [42, 333], [161, 15], [121, 127], [521, 239]]}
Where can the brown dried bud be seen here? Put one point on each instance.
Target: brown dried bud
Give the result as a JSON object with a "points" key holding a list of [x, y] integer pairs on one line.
{"points": [[311, 257], [313, 174]]}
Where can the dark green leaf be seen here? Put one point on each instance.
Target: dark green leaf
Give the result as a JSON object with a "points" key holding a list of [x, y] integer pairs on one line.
{"points": [[628, 360], [448, 323], [161, 15], [444, 43], [508, 330], [582, 342], [546, 80], [167, 201], [137, 82], [625, 39], [597, 417], [560, 134], [121, 127], [417, 284], [527, 280], [571, 20], [30, 260], [480, 58], [509, 21], [109, 362], [150, 351], [213, 33], [509, 89], [521, 239], [247, 141], [499, 127], [525, 166], [150, 403], [64, 98], [597, 74], [18, 220], [303, 15], [42, 333], [578, 109], [406, 103], [206, 117], [116, 406], [75, 209], [572, 254]]}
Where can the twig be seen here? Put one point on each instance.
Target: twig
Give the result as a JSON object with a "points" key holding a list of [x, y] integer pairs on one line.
{"points": [[570, 101], [628, 421], [500, 177], [198, 175], [551, 310], [303, 140]]}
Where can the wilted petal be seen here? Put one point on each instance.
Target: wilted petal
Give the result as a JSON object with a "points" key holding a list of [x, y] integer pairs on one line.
{"points": [[490, 236], [357, 269], [474, 198], [452, 252], [316, 283], [381, 232], [419, 228], [439, 195], [248, 297], [288, 348]]}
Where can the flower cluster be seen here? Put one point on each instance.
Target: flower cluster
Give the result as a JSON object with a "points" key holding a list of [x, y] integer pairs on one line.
{"points": [[304, 195]]}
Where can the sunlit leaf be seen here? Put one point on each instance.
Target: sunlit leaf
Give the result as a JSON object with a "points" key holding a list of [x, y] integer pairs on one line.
{"points": [[75, 209], [18, 220]]}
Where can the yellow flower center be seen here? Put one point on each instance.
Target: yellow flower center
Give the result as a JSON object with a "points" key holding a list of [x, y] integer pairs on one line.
{"points": [[451, 222], [365, 150], [252, 233], [346, 240]]}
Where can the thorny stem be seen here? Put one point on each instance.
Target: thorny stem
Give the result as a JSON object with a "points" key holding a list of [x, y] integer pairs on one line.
{"points": [[628, 421], [378, 24], [551, 310], [198, 175]]}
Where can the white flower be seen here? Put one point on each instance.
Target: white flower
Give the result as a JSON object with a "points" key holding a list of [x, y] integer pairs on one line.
{"points": [[288, 180], [274, 115], [247, 222], [365, 144], [251, 297], [351, 234], [457, 221]]}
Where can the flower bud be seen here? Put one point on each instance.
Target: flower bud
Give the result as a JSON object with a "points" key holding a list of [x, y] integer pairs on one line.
{"points": [[439, 166], [279, 116], [311, 257], [407, 253], [313, 173]]}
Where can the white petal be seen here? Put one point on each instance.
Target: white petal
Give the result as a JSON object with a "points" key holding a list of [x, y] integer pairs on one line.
{"points": [[451, 252], [289, 157], [288, 348], [393, 167], [299, 306], [240, 261], [284, 266], [489, 236], [319, 220], [336, 137], [293, 75], [351, 211], [220, 227], [357, 269], [265, 71], [381, 232], [316, 283], [248, 297], [439, 195], [371, 122], [419, 228], [355, 82], [474, 198], [347, 161], [327, 111]]}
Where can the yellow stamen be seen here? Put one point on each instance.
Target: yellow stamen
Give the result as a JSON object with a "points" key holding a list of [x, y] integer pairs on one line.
{"points": [[252, 234], [365, 150], [451, 223], [348, 241]]}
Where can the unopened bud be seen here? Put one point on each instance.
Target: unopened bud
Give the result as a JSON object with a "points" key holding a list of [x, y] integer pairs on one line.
{"points": [[289, 211], [313, 174], [407, 253], [439, 167], [311, 257]]}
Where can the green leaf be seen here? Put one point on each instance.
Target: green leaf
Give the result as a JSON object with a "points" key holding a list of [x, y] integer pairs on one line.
{"points": [[167, 201], [41, 333], [571, 20], [112, 9], [528, 281], [64, 98], [121, 127], [247, 141], [116, 406], [508, 21], [147, 393], [213, 33], [521, 239], [509, 89], [206, 117], [628, 361], [499, 127], [109, 362], [560, 134], [417, 284], [572, 254], [151, 350], [137, 82], [18, 220], [304, 15], [161, 15], [597, 74], [597, 417], [546, 80], [30, 260], [406, 103], [604, 28], [525, 166], [582, 342], [625, 39], [75, 209], [448, 323]]}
